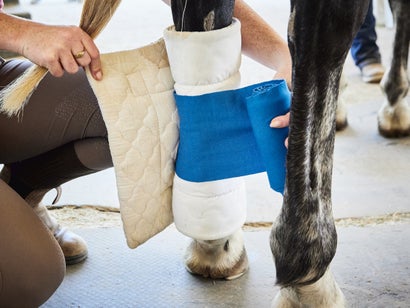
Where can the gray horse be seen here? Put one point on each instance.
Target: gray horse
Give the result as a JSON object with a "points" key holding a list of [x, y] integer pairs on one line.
{"points": [[303, 238]]}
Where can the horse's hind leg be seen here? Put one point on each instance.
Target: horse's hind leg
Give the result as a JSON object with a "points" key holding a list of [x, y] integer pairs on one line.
{"points": [[303, 238], [394, 115], [207, 256]]}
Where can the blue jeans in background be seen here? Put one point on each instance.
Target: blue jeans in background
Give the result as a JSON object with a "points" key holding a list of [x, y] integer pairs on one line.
{"points": [[364, 49]]}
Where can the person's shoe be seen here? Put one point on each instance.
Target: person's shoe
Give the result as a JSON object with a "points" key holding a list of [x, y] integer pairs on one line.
{"points": [[372, 73], [73, 246]]}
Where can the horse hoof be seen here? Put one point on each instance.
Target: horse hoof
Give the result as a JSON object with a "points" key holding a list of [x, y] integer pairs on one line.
{"points": [[224, 258], [395, 133], [341, 110], [394, 121], [324, 293], [341, 125], [341, 115]]}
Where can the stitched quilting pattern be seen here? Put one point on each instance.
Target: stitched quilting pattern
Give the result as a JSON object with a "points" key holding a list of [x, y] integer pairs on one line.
{"points": [[138, 107]]}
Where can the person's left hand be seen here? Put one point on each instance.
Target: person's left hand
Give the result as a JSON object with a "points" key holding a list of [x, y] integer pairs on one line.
{"points": [[281, 122], [60, 48]]}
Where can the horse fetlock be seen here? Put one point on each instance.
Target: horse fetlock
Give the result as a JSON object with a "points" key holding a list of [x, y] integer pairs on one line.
{"points": [[324, 293], [223, 258], [394, 121]]}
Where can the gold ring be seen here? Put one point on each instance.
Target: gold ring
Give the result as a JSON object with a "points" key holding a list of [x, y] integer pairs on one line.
{"points": [[79, 54]]}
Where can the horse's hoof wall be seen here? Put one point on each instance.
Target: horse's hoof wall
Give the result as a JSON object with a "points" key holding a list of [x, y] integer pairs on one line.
{"points": [[218, 259]]}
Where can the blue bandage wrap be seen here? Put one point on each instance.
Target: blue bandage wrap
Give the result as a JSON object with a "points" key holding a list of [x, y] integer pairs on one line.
{"points": [[227, 134]]}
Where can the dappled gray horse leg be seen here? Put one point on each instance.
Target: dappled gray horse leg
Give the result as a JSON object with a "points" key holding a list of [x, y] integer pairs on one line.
{"points": [[303, 238], [226, 257], [202, 15], [394, 115]]}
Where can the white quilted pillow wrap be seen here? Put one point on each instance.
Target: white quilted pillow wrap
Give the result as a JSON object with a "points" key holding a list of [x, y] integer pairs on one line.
{"points": [[138, 107], [204, 62]]}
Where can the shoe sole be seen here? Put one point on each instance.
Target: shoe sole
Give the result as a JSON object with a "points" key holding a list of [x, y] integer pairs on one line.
{"points": [[75, 259], [373, 79]]}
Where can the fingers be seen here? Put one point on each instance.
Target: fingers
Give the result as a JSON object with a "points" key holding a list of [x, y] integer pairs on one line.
{"points": [[94, 56], [71, 60], [56, 69], [280, 121], [83, 53], [79, 57]]}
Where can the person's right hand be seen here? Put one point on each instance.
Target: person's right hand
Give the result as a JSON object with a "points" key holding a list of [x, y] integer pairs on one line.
{"points": [[61, 48], [281, 122]]}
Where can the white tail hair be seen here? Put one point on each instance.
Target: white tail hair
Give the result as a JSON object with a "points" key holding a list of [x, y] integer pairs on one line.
{"points": [[94, 17]]}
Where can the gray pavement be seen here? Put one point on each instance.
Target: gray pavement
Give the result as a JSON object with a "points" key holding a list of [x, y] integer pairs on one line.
{"points": [[371, 178], [371, 266]]}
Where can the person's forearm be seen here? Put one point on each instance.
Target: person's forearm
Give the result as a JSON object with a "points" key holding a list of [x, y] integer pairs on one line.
{"points": [[15, 32], [261, 42], [54, 47], [11, 30]]}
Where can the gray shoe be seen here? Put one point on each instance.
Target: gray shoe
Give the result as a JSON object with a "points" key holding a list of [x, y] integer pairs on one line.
{"points": [[372, 73]]}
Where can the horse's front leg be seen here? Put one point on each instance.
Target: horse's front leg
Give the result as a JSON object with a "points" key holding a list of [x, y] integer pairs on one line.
{"points": [[394, 115], [204, 53], [201, 15], [303, 238]]}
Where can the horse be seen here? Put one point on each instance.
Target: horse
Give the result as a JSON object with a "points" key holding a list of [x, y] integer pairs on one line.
{"points": [[303, 238], [393, 118], [394, 115]]}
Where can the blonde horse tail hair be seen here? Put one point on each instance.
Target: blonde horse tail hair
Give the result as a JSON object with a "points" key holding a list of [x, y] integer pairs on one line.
{"points": [[95, 16]]}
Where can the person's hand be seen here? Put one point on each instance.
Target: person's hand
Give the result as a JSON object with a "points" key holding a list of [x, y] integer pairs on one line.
{"points": [[61, 48], [281, 122]]}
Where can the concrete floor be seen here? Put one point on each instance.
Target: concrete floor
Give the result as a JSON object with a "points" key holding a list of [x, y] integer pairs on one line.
{"points": [[370, 196], [375, 274]]}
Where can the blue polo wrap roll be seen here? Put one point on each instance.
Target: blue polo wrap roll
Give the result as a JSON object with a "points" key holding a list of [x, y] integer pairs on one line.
{"points": [[227, 134]]}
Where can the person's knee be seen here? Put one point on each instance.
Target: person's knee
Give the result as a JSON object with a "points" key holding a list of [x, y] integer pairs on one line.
{"points": [[32, 265], [30, 282], [34, 282], [94, 153]]}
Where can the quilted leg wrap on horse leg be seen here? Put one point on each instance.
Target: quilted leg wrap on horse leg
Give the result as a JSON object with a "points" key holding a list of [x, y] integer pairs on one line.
{"points": [[205, 62], [224, 132]]}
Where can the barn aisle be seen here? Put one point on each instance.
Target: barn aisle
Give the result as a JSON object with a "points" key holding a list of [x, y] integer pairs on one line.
{"points": [[370, 195]]}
